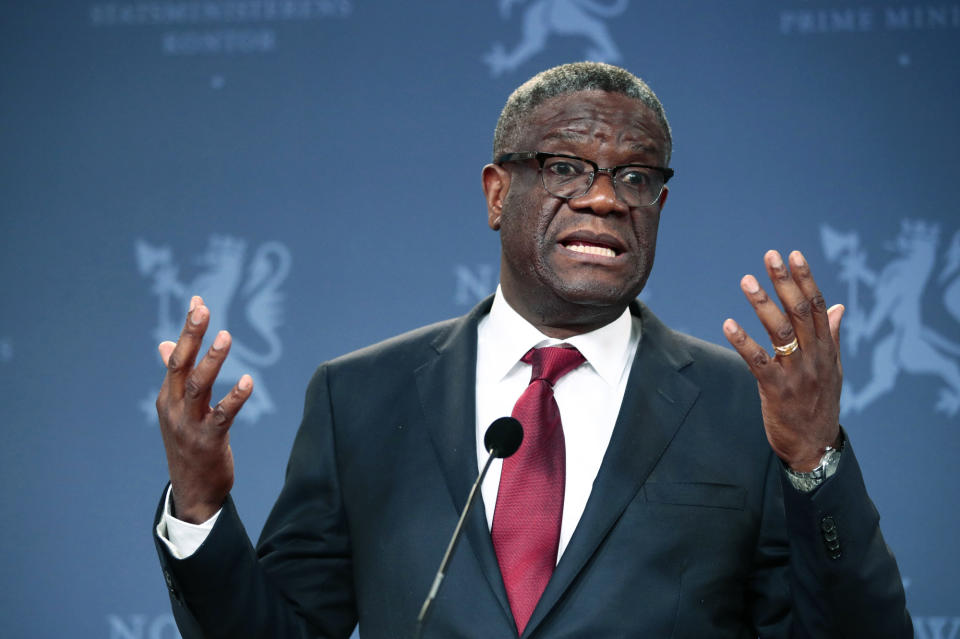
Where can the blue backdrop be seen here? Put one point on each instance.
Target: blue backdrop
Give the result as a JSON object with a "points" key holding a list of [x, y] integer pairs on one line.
{"points": [[235, 148]]}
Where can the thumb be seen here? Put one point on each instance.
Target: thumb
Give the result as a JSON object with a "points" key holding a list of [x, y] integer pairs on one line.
{"points": [[166, 348]]}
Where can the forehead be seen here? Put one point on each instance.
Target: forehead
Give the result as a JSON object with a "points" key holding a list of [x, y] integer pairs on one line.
{"points": [[596, 117]]}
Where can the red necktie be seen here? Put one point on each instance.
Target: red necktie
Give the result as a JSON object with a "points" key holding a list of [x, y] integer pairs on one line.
{"points": [[526, 521]]}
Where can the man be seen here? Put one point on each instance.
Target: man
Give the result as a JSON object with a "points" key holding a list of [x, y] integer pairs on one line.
{"points": [[657, 509]]}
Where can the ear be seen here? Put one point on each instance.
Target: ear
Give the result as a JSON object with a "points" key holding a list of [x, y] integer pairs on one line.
{"points": [[663, 197], [496, 183]]}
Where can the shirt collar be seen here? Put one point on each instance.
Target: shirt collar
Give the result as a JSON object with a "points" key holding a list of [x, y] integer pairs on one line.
{"points": [[509, 336]]}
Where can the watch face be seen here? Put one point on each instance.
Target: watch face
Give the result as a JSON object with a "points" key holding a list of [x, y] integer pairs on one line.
{"points": [[829, 463]]}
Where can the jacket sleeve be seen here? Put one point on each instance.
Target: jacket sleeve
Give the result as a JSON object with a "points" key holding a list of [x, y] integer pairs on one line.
{"points": [[298, 583], [843, 577]]}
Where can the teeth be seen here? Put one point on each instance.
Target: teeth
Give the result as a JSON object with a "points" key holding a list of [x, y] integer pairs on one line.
{"points": [[592, 250]]}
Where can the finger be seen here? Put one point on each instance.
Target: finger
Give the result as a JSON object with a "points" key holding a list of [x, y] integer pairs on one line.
{"points": [[200, 381], [752, 353], [777, 325], [180, 361], [228, 407], [167, 347], [795, 305], [835, 316], [800, 270]]}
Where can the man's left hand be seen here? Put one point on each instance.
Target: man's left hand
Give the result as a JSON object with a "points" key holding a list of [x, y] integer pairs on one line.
{"points": [[800, 385]]}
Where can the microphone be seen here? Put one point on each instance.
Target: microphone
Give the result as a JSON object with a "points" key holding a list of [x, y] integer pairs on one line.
{"points": [[501, 440]]}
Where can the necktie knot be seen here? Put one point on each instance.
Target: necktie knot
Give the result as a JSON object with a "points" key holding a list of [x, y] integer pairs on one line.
{"points": [[552, 362]]}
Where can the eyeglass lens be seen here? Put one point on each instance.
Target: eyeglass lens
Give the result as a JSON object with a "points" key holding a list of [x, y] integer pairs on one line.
{"points": [[570, 178]]}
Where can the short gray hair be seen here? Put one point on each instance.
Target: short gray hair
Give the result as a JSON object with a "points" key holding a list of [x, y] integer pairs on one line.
{"points": [[571, 78]]}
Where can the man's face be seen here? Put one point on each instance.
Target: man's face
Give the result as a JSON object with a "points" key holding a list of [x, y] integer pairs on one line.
{"points": [[580, 255]]}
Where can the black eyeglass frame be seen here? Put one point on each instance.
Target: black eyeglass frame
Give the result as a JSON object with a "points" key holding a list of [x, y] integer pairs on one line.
{"points": [[542, 156]]}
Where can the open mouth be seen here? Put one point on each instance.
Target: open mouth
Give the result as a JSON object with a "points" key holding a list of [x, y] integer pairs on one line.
{"points": [[589, 243], [590, 249]]}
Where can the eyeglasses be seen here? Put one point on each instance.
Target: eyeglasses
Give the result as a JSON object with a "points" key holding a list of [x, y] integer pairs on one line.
{"points": [[567, 176]]}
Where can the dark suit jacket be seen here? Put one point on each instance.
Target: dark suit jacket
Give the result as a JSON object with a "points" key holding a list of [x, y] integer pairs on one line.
{"points": [[690, 530]]}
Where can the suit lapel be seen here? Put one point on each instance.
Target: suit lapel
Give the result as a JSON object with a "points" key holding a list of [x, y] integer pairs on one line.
{"points": [[656, 402], [446, 384]]}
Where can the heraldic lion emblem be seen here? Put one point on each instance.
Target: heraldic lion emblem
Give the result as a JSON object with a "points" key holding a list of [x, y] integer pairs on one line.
{"points": [[894, 326], [226, 281]]}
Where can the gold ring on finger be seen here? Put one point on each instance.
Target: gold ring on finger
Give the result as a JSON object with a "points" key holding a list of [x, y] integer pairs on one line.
{"points": [[787, 349]]}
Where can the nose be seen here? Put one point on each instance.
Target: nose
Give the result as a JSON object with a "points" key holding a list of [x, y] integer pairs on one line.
{"points": [[601, 198]]}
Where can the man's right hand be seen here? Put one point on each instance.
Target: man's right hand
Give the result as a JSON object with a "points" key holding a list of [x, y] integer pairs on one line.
{"points": [[196, 435]]}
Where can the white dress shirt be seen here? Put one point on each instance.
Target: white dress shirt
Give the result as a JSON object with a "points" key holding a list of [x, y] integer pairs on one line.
{"points": [[589, 398]]}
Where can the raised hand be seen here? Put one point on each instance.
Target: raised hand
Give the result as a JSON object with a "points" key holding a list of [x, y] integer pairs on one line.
{"points": [[800, 385], [196, 435]]}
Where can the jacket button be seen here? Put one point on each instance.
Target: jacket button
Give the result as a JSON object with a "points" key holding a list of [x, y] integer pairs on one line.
{"points": [[831, 537]]}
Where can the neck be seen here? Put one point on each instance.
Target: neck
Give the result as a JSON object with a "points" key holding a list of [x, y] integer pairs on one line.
{"points": [[561, 319]]}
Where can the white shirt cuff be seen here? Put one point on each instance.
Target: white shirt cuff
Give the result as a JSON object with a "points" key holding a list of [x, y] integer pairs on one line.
{"points": [[181, 538]]}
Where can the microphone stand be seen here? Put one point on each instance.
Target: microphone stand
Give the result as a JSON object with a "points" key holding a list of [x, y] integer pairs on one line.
{"points": [[442, 571]]}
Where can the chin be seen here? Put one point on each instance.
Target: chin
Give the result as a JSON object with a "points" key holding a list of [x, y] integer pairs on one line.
{"points": [[596, 285], [597, 293]]}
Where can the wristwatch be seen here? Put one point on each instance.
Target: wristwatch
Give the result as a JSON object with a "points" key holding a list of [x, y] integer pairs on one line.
{"points": [[807, 482]]}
